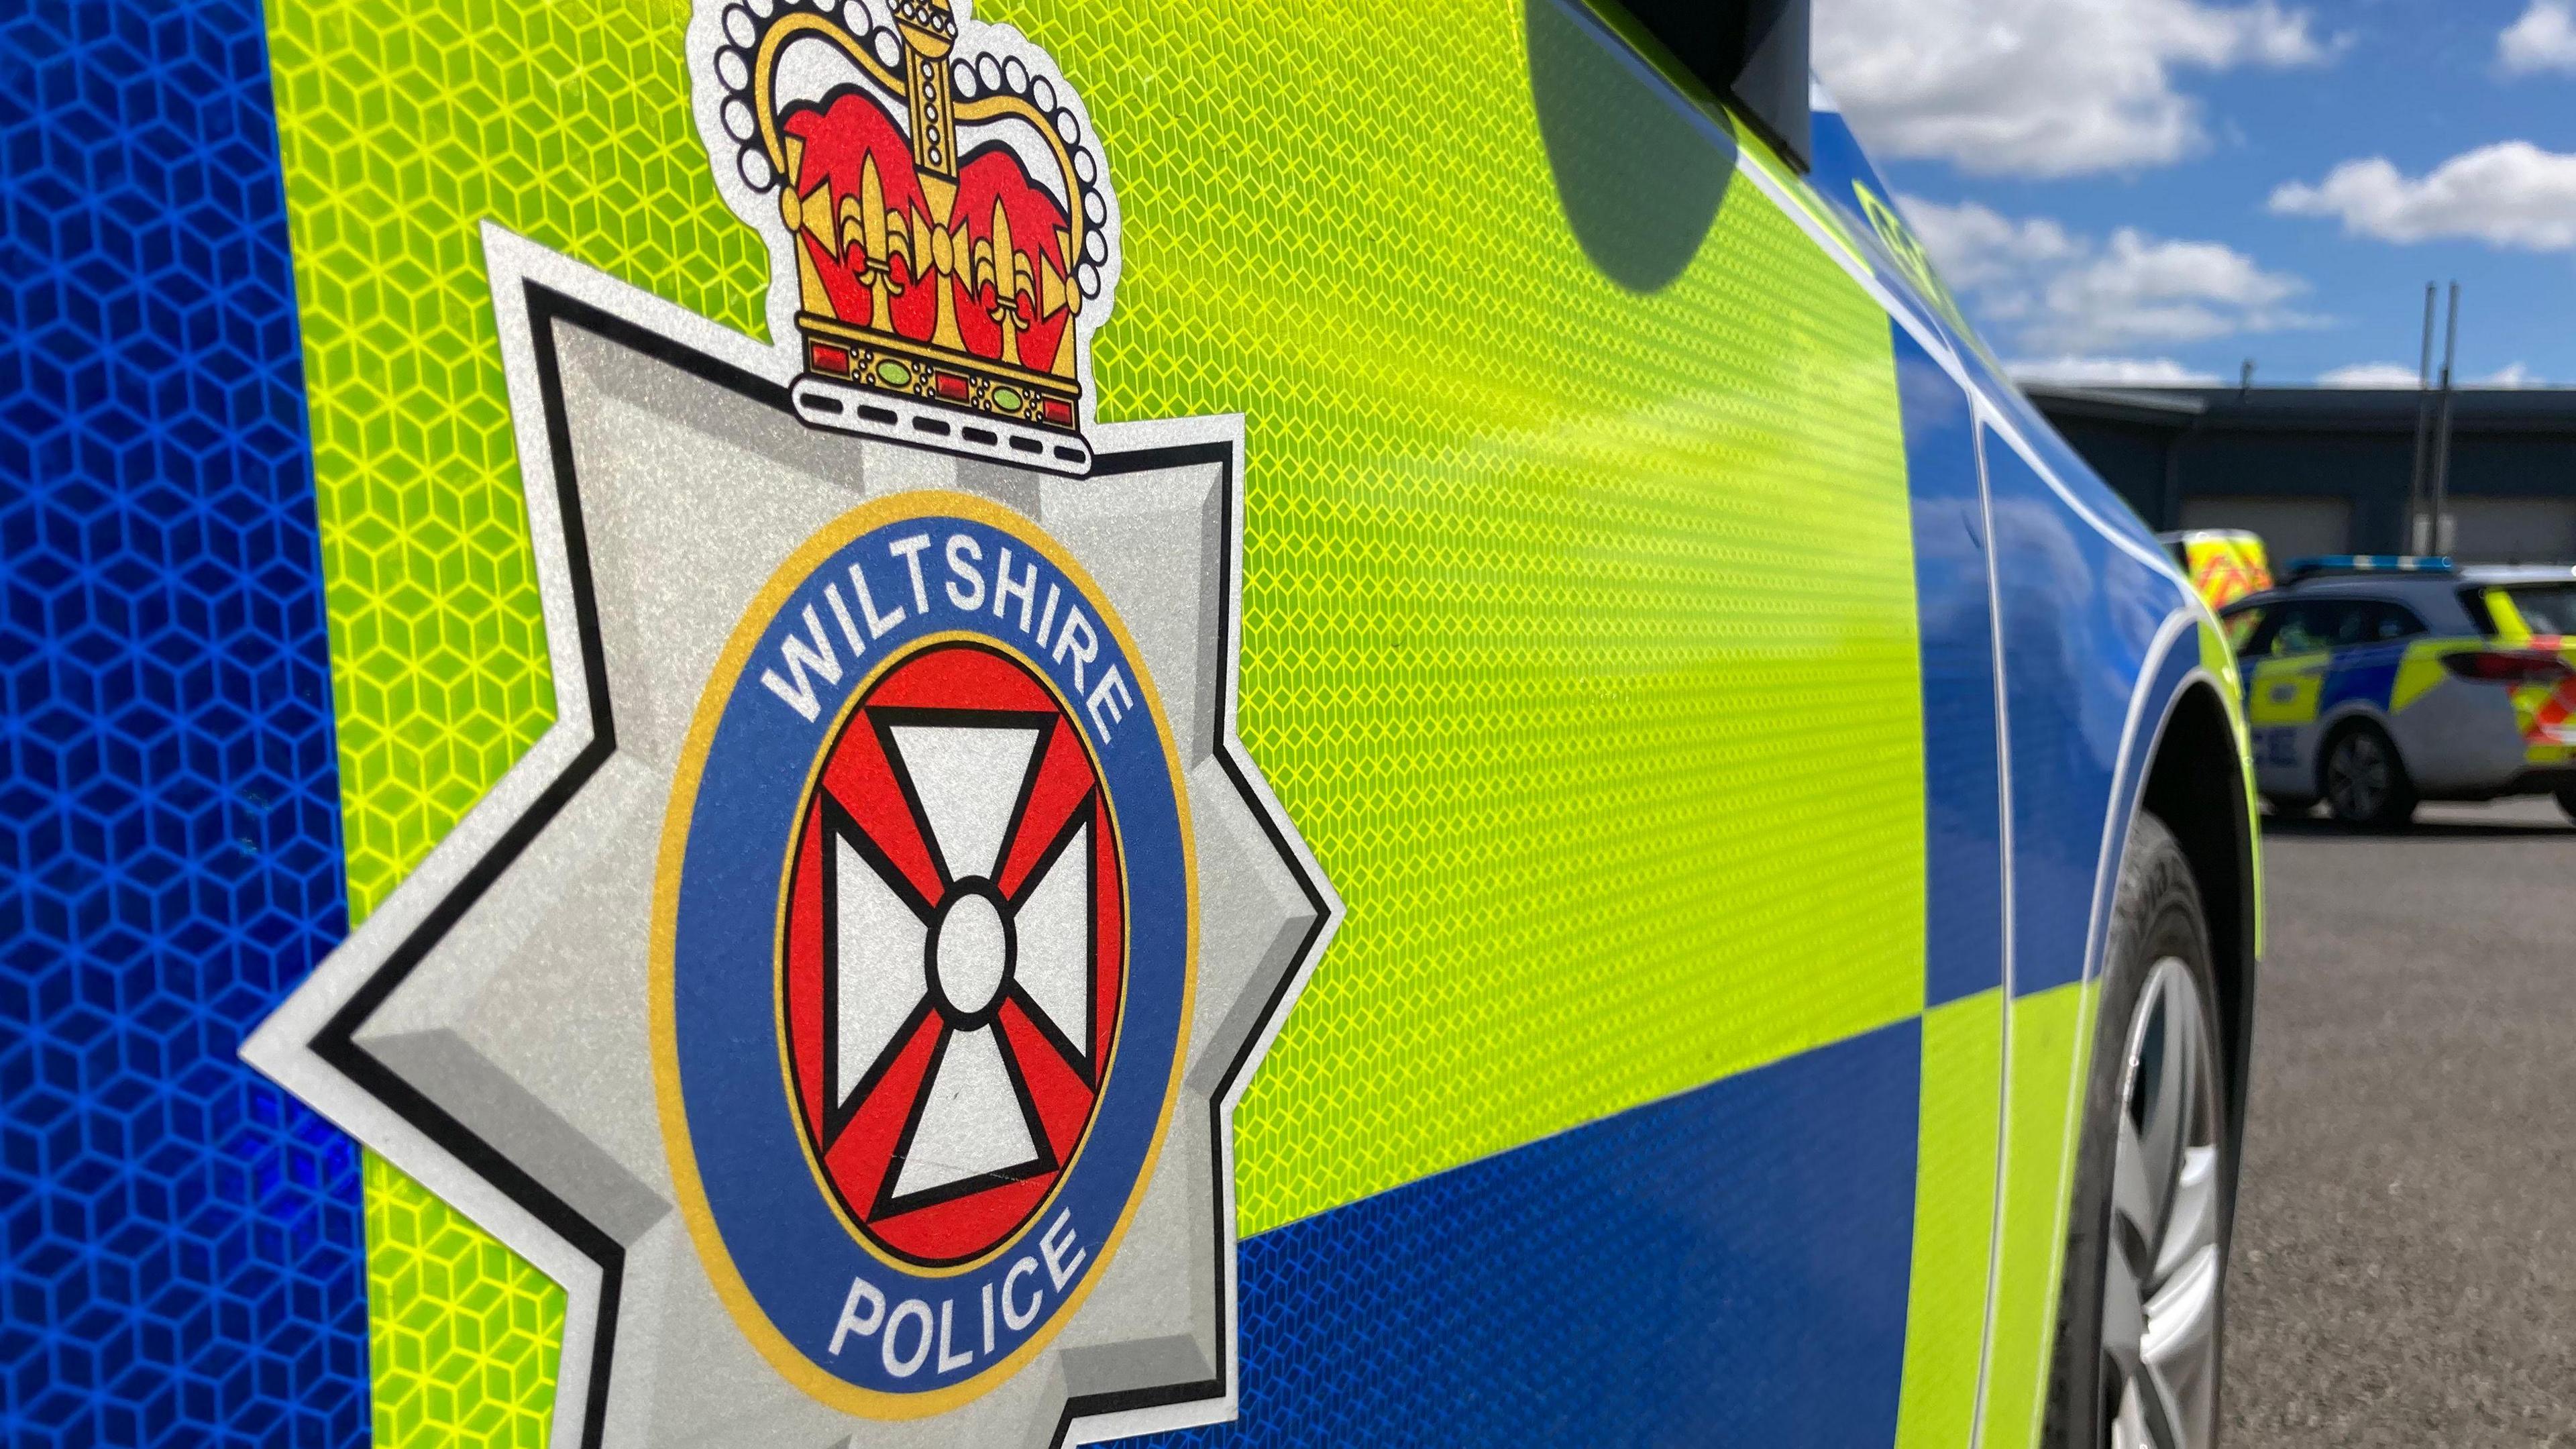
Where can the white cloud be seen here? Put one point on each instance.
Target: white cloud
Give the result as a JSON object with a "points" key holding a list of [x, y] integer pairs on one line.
{"points": [[1977, 246], [2043, 87], [2392, 374], [2510, 194], [2111, 372], [2141, 289], [2369, 374], [2057, 292], [2543, 39]]}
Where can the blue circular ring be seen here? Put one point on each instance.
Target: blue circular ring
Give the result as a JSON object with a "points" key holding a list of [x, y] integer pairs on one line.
{"points": [[825, 1291]]}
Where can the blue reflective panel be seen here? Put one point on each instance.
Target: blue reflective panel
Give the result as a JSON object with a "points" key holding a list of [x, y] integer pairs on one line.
{"points": [[1723, 1267], [184, 1247], [2079, 615], [1840, 176], [2368, 674], [2069, 466], [1962, 803]]}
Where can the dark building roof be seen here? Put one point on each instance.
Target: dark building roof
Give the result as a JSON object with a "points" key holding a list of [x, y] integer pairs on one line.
{"points": [[2483, 409], [2178, 453]]}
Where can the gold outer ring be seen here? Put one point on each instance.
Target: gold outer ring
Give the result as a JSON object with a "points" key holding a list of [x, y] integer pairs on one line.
{"points": [[689, 1190]]}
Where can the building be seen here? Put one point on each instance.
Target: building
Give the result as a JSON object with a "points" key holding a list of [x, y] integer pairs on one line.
{"points": [[2325, 470]]}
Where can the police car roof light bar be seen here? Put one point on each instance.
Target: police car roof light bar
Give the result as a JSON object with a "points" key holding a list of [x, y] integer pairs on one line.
{"points": [[2325, 565]]}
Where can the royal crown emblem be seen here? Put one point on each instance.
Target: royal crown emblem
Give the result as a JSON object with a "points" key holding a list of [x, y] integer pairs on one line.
{"points": [[939, 215]]}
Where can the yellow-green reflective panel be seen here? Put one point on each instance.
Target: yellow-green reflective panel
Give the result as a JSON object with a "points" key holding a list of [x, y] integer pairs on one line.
{"points": [[401, 127], [1577, 620], [1954, 1221], [462, 1334], [2220, 660], [2048, 1043]]}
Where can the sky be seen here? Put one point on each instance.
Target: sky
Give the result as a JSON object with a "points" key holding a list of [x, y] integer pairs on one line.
{"points": [[2139, 191]]}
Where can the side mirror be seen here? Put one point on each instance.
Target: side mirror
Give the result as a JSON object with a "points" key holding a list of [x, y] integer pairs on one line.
{"points": [[1752, 51]]}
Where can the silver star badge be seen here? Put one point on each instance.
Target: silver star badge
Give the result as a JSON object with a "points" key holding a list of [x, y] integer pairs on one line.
{"points": [[945, 1044]]}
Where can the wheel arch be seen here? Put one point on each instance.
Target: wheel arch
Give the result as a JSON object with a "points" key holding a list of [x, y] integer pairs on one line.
{"points": [[2197, 785]]}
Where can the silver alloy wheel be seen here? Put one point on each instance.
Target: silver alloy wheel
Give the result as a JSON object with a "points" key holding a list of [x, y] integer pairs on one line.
{"points": [[2357, 778], [2160, 1278]]}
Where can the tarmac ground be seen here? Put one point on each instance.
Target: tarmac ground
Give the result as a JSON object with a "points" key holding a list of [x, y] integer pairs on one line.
{"points": [[2404, 1269]]}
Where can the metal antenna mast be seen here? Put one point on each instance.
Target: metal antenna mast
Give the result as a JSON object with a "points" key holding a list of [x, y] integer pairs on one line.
{"points": [[2418, 537], [2442, 432]]}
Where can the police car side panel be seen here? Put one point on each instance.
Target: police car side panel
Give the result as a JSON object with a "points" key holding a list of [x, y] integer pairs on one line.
{"points": [[2281, 703], [2100, 639], [2080, 618], [2049, 1036], [1960, 1133], [2139, 589], [2082, 623], [1541, 574], [1600, 1371], [1544, 571], [2307, 694]]}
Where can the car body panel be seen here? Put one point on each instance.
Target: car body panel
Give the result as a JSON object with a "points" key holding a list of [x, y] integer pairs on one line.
{"points": [[2459, 737], [1544, 573], [2545, 713], [1965, 894]]}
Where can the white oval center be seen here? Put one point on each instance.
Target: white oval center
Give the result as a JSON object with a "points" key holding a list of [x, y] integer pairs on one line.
{"points": [[969, 954]]}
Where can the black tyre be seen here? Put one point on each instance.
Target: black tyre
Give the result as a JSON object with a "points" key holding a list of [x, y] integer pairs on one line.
{"points": [[2142, 1308], [2363, 780]]}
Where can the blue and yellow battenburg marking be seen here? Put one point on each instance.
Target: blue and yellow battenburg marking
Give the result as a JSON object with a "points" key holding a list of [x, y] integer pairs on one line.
{"points": [[1748, 1074], [2284, 694], [932, 777]]}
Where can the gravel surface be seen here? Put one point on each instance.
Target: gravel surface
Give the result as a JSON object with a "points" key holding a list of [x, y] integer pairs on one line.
{"points": [[2405, 1257]]}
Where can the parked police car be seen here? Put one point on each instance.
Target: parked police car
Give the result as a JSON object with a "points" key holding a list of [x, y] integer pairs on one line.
{"points": [[2376, 682], [894, 721]]}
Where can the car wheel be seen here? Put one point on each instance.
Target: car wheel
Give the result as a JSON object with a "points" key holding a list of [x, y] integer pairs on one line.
{"points": [[2363, 780], [2141, 1307]]}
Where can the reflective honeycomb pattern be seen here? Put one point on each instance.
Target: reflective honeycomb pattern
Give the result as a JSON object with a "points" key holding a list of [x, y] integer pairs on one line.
{"points": [[1456, 1311], [402, 128], [182, 1240], [462, 1330], [1542, 574], [1543, 579]]}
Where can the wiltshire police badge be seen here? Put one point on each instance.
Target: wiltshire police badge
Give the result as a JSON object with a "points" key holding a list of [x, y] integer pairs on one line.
{"points": [[845, 1000]]}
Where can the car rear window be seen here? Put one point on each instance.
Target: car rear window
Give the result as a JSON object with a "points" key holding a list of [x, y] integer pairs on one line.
{"points": [[2545, 608]]}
